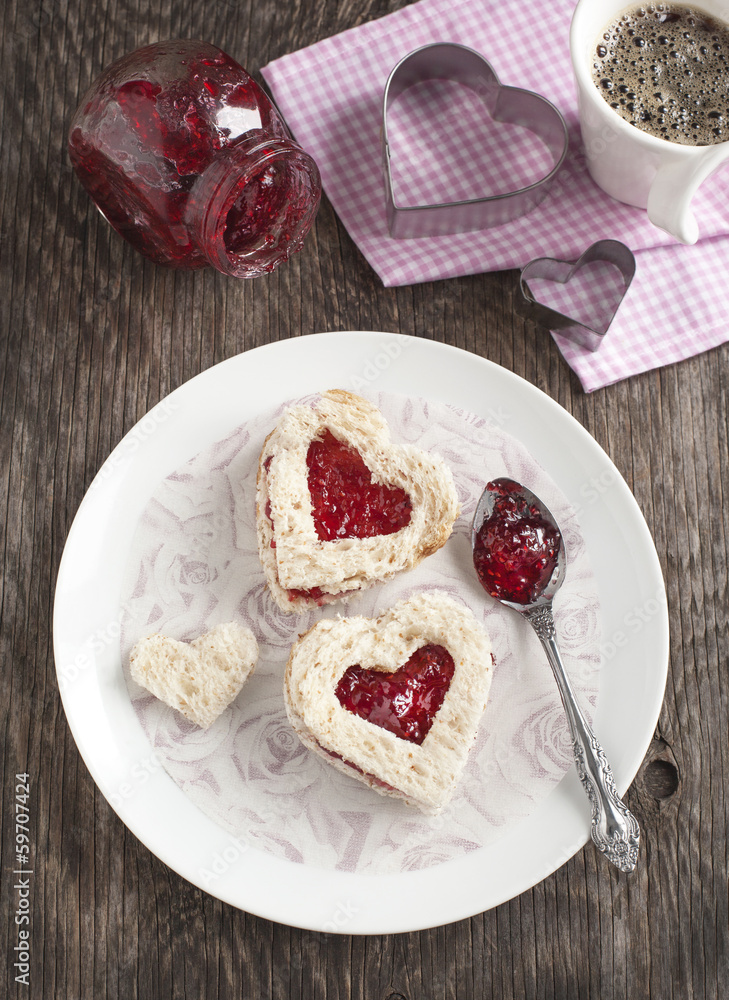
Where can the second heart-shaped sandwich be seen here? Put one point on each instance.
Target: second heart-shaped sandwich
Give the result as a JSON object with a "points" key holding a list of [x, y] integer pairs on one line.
{"points": [[340, 507], [394, 701]]}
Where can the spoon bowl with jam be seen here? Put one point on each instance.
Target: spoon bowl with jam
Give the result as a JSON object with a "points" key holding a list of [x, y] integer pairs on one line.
{"points": [[519, 557]]}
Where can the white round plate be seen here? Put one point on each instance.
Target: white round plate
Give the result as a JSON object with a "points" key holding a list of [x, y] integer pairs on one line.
{"points": [[109, 736]]}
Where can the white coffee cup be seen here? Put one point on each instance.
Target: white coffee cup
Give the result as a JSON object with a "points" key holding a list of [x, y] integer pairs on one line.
{"points": [[630, 165]]}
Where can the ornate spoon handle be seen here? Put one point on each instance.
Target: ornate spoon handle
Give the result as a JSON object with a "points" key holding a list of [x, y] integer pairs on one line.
{"points": [[614, 828]]}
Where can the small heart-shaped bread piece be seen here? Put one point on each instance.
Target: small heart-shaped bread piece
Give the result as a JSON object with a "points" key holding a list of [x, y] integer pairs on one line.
{"points": [[423, 718], [339, 507], [200, 678]]}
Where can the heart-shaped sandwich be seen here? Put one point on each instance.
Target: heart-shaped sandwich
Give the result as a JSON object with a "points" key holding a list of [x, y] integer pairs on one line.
{"points": [[200, 678], [340, 507], [393, 701]]}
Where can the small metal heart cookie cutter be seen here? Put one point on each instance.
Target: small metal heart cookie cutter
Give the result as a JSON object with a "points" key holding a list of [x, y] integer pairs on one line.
{"points": [[450, 61], [602, 305]]}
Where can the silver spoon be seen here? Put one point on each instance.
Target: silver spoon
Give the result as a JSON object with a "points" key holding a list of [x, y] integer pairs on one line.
{"points": [[520, 560]]}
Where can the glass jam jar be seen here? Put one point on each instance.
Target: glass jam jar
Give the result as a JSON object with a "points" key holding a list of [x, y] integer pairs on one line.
{"points": [[187, 158]]}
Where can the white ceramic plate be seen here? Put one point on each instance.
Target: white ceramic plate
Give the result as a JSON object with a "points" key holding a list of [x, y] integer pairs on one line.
{"points": [[110, 738]]}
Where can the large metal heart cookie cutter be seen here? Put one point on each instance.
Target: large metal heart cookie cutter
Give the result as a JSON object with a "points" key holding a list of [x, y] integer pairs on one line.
{"points": [[593, 309], [458, 63]]}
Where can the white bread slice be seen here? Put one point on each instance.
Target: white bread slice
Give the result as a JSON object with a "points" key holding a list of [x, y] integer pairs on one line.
{"points": [[201, 678], [424, 775], [292, 555]]}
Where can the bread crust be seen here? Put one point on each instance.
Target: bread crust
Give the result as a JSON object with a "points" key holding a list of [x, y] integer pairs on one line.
{"points": [[293, 557], [425, 775]]}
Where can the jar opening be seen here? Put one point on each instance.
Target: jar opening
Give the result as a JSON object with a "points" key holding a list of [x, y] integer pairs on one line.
{"points": [[257, 219], [262, 213]]}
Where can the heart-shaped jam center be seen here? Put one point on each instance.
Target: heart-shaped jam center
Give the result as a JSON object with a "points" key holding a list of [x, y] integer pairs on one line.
{"points": [[404, 702], [345, 502]]}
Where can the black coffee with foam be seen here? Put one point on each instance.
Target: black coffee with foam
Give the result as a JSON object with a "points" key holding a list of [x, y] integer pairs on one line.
{"points": [[665, 69]]}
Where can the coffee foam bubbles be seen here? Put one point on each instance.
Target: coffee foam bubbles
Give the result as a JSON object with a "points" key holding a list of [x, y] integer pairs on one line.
{"points": [[665, 69]]}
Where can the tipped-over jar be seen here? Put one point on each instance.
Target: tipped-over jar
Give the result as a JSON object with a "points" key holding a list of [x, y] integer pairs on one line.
{"points": [[187, 158]]}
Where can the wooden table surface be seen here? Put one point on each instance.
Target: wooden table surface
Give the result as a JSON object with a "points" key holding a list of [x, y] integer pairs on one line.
{"points": [[92, 337]]}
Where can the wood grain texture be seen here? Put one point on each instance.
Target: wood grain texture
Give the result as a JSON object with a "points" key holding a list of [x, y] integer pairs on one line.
{"points": [[92, 337]]}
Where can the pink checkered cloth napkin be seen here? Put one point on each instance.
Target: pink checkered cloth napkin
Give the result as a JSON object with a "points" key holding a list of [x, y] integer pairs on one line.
{"points": [[331, 96]]}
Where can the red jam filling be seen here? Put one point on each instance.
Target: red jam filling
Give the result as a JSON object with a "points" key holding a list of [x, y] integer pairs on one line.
{"points": [[314, 594], [404, 702], [346, 503], [516, 548], [371, 777], [267, 510]]}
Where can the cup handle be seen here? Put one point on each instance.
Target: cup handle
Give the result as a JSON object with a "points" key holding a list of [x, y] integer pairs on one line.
{"points": [[677, 181]]}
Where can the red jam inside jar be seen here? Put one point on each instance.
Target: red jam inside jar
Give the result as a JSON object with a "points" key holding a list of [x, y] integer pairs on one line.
{"points": [[188, 159], [346, 503], [405, 702], [516, 548]]}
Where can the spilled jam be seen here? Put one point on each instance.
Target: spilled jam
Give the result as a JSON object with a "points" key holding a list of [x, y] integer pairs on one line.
{"points": [[516, 547], [405, 702]]}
